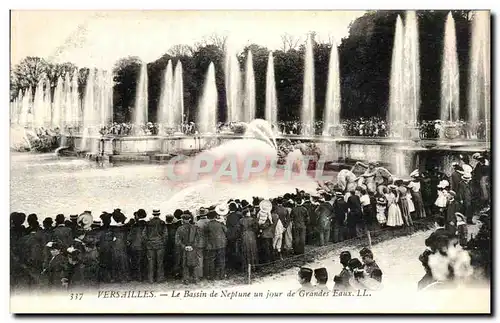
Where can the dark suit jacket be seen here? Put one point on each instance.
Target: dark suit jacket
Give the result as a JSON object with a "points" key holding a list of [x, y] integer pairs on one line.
{"points": [[215, 235], [300, 217]]}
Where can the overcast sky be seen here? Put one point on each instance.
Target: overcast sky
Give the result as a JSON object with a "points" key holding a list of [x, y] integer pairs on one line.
{"points": [[91, 38]]}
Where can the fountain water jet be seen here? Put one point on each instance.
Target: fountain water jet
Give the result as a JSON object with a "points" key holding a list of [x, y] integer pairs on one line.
{"points": [[249, 90], [76, 108], [271, 113], [411, 76], [308, 105], [233, 84], [165, 114], [67, 112], [332, 107], [178, 97], [206, 118], [141, 98], [479, 78], [47, 104], [58, 103], [396, 81], [88, 110], [450, 95]]}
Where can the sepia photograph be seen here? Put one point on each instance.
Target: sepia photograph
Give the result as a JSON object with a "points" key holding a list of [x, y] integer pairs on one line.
{"points": [[272, 161]]}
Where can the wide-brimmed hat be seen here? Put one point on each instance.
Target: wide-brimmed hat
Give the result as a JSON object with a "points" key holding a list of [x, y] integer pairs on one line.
{"points": [[266, 206], [452, 194], [381, 200], [222, 209], [415, 173], [392, 187], [156, 212], [477, 156], [466, 176], [460, 215], [202, 212]]}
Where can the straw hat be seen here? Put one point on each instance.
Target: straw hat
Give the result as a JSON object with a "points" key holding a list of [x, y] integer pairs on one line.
{"points": [[415, 173], [222, 209]]}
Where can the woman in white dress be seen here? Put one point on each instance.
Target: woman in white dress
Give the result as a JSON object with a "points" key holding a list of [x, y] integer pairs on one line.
{"points": [[394, 218]]}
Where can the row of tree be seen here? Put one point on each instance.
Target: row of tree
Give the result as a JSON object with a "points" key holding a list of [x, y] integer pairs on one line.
{"points": [[364, 58]]}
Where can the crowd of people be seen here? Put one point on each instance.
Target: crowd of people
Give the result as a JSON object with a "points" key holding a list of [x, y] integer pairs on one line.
{"points": [[85, 251], [362, 127]]}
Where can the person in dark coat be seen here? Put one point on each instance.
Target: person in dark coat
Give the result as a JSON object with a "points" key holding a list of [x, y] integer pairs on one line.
{"points": [[72, 224], [48, 229], [312, 223], [170, 255], [300, 218], [325, 214], [354, 219], [90, 260], [17, 230], [155, 234], [74, 278], [105, 247], [121, 266], [456, 176], [464, 197], [452, 208], [340, 211], [185, 239], [62, 233], [248, 229], [32, 255], [232, 222], [215, 239], [137, 247], [342, 279], [53, 273]]}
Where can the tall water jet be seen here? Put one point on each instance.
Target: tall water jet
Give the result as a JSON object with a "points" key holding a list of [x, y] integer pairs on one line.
{"points": [[109, 93], [233, 84], [411, 76], [479, 77], [88, 110], [47, 104], [271, 113], [141, 98], [396, 96], [332, 106], [38, 105], [67, 112], [450, 95], [76, 108], [206, 118], [396, 110], [165, 114], [249, 90], [26, 106], [178, 96], [59, 96], [308, 104]]}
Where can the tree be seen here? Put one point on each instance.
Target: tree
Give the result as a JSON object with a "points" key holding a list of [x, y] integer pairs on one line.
{"points": [[27, 73], [181, 50], [289, 42], [126, 72]]}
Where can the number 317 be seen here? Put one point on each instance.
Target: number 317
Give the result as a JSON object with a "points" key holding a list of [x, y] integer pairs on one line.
{"points": [[76, 296]]}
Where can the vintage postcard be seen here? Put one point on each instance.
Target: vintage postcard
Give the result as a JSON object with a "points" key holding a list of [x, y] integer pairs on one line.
{"points": [[250, 162]]}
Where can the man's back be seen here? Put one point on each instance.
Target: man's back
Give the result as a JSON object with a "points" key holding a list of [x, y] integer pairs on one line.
{"points": [[215, 234]]}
